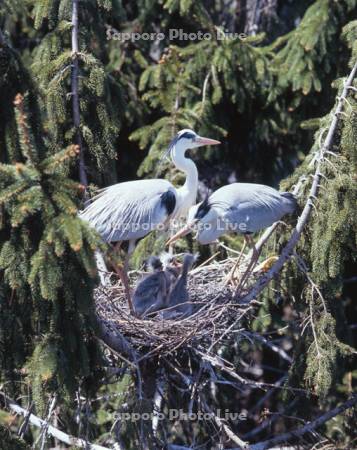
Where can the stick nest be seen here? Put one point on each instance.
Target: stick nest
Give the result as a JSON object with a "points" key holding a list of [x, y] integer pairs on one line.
{"points": [[215, 313]]}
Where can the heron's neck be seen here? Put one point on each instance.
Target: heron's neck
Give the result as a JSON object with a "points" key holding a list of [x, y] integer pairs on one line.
{"points": [[189, 190]]}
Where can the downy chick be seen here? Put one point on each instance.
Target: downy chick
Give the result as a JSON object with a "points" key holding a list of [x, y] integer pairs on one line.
{"points": [[151, 293], [179, 297]]}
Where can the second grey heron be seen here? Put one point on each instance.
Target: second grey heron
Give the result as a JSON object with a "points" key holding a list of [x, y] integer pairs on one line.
{"points": [[238, 207]]}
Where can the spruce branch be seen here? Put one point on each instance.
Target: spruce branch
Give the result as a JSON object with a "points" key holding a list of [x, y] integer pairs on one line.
{"points": [[51, 430], [306, 213], [24, 129], [74, 92]]}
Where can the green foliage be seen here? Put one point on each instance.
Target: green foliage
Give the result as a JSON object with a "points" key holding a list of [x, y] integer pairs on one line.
{"points": [[327, 246], [48, 270], [263, 97], [52, 58], [305, 57], [323, 355]]}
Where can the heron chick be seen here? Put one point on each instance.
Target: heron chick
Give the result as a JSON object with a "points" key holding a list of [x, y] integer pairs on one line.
{"points": [[151, 293], [179, 298]]}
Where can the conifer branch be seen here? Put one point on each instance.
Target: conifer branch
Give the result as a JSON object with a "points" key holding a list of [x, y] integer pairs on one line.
{"points": [[51, 430], [24, 129], [306, 213], [74, 93]]}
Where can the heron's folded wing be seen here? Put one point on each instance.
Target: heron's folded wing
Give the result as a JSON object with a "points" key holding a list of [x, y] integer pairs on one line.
{"points": [[257, 211], [130, 210]]}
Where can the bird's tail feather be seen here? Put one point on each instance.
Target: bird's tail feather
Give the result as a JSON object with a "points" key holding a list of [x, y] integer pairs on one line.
{"points": [[291, 203]]}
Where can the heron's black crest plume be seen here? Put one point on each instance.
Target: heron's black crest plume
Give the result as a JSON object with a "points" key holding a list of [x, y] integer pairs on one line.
{"points": [[203, 209], [186, 134]]}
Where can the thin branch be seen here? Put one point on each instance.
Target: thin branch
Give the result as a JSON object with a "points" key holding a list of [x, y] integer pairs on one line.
{"points": [[272, 346], [158, 400], [305, 216], [308, 428], [51, 430], [44, 431], [23, 428], [268, 422], [223, 426], [74, 91]]}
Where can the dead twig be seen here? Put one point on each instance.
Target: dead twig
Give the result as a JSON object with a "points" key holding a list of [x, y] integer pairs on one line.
{"points": [[308, 428], [51, 430]]}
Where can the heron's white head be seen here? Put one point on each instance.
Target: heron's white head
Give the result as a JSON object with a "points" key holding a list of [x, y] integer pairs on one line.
{"points": [[202, 216], [185, 140]]}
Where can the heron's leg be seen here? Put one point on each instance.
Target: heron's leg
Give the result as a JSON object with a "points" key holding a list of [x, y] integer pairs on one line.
{"points": [[122, 273], [125, 279], [230, 277], [252, 262]]}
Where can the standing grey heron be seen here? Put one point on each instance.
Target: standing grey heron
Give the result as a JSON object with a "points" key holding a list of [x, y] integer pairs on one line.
{"points": [[238, 207], [129, 211]]}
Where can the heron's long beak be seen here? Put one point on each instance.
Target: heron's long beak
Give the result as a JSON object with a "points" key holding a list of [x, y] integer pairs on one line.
{"points": [[183, 232], [206, 141]]}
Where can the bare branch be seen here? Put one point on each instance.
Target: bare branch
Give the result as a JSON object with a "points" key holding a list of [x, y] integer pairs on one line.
{"points": [[51, 430], [158, 400], [272, 346], [220, 423], [308, 428], [2, 39]]}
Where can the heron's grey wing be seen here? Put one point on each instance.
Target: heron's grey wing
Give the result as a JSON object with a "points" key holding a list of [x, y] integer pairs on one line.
{"points": [[131, 210], [252, 207]]}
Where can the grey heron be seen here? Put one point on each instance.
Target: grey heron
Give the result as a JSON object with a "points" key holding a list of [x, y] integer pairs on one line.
{"points": [[130, 210], [152, 291], [179, 297], [238, 207]]}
